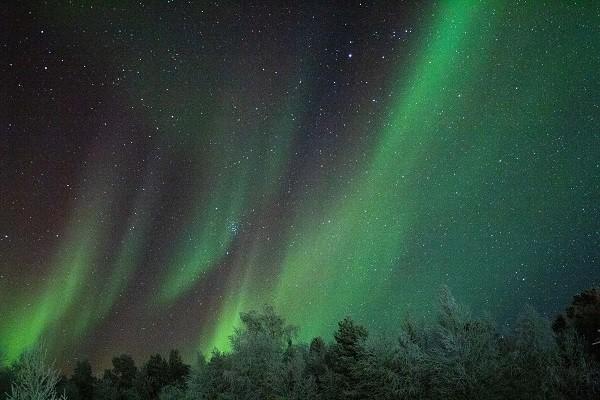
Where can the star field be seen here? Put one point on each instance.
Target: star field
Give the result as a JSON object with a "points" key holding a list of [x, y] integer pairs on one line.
{"points": [[164, 167]]}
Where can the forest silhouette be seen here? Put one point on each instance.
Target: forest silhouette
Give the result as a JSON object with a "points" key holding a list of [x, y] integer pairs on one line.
{"points": [[453, 356]]}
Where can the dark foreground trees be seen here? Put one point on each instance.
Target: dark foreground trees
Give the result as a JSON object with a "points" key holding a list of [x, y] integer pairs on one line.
{"points": [[453, 356], [583, 317], [456, 356]]}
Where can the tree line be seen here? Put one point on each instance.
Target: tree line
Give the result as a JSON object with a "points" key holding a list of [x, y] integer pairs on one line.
{"points": [[453, 356]]}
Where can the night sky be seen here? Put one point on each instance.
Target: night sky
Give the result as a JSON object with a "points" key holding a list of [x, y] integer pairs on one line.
{"points": [[164, 167]]}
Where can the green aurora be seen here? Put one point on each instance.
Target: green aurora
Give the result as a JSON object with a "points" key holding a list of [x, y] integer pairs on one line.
{"points": [[479, 170]]}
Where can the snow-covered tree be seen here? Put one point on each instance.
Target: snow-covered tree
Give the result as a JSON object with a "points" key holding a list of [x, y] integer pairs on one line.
{"points": [[36, 379]]}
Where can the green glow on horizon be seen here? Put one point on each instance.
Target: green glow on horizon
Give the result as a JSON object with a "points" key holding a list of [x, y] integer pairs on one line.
{"points": [[24, 327], [73, 296]]}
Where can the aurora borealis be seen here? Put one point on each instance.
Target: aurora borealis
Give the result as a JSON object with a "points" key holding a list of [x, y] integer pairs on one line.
{"points": [[164, 167]]}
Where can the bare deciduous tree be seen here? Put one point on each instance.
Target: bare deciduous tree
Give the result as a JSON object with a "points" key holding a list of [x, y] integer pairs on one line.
{"points": [[36, 379]]}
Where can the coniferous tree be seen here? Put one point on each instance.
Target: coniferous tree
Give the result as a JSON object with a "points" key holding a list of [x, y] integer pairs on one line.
{"points": [[106, 388], [410, 365], [207, 380], [345, 356], [531, 358], [583, 315], [83, 380], [153, 377], [178, 370], [316, 363], [465, 358], [259, 348], [123, 377]]}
